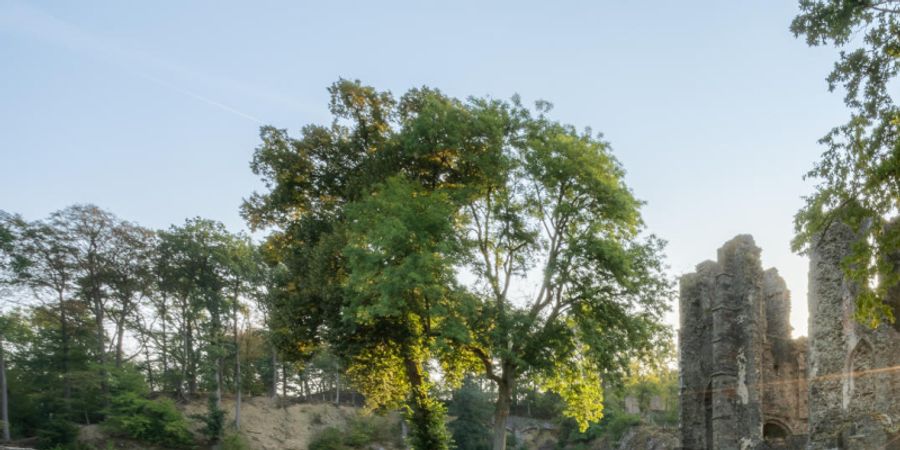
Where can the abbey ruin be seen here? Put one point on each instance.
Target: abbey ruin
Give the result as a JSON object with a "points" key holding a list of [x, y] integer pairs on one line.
{"points": [[746, 384]]}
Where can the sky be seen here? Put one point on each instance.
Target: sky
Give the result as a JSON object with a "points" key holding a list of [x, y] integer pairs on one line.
{"points": [[152, 109]]}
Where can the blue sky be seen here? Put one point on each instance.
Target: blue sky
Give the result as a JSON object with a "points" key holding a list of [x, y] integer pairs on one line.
{"points": [[151, 109]]}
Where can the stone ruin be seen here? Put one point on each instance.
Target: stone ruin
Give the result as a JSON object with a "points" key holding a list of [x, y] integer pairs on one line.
{"points": [[745, 384]]}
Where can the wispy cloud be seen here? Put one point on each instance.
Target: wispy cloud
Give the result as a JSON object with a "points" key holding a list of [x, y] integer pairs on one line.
{"points": [[26, 20]]}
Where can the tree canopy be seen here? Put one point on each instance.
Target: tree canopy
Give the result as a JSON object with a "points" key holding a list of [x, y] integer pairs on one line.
{"points": [[859, 173], [378, 217]]}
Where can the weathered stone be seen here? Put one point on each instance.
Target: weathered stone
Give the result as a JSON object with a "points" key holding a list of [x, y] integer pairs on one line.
{"points": [[656, 403], [632, 406], [741, 374], [745, 384], [854, 371]]}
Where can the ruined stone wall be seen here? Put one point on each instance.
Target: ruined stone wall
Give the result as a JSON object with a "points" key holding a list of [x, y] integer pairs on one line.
{"points": [[784, 365], [741, 374], [738, 321], [695, 350], [854, 381], [745, 384]]}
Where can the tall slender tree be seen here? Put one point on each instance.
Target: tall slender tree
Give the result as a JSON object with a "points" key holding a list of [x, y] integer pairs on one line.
{"points": [[241, 275], [88, 230], [128, 277], [49, 268]]}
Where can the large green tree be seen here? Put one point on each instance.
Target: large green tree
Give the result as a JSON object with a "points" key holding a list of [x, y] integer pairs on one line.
{"points": [[563, 216], [319, 197], [376, 215], [859, 172], [198, 268]]}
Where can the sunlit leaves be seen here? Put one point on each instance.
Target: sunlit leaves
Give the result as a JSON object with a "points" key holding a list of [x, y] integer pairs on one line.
{"points": [[859, 172], [578, 383], [378, 373]]}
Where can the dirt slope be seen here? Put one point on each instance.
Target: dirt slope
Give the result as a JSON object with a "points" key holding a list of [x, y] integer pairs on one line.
{"points": [[268, 425]]}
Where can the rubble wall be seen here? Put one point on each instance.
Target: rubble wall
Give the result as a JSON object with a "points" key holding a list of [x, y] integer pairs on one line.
{"points": [[742, 376], [854, 371]]}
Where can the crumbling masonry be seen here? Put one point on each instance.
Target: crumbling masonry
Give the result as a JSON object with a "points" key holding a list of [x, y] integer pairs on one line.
{"points": [[745, 384]]}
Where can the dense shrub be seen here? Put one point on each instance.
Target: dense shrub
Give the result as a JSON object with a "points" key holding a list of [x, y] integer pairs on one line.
{"points": [[152, 421], [235, 441], [330, 438], [613, 425], [359, 433], [57, 433], [473, 411], [213, 420]]}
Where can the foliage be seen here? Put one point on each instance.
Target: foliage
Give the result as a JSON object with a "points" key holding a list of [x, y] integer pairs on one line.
{"points": [[165, 305], [330, 438], [213, 421], [373, 217], [642, 384], [471, 411], [859, 172], [360, 432], [57, 433], [235, 441], [152, 421], [611, 428], [427, 417], [579, 386]]}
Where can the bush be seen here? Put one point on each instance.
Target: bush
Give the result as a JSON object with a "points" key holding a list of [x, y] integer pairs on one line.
{"points": [[359, 433], [151, 421], [618, 424], [473, 411], [235, 441], [611, 428], [57, 433], [329, 439], [213, 421]]}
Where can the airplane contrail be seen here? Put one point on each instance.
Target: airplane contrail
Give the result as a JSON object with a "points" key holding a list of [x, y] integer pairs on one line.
{"points": [[26, 20]]}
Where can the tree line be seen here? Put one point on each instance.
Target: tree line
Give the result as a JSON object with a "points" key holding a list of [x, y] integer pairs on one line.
{"points": [[96, 307], [402, 242]]}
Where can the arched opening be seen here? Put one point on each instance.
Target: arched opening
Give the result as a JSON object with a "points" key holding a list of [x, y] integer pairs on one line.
{"points": [[775, 434]]}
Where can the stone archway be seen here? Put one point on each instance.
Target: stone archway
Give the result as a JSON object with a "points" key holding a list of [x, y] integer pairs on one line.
{"points": [[776, 433]]}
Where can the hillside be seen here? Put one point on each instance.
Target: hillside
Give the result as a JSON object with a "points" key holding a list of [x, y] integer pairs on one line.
{"points": [[269, 424]]}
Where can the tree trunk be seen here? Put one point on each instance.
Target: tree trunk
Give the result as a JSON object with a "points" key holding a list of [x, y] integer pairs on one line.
{"points": [[337, 388], [237, 370], [283, 380], [150, 380], [273, 389], [184, 347], [101, 344], [64, 337], [4, 401], [428, 429], [219, 366], [165, 346], [120, 337], [190, 364], [504, 390]]}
